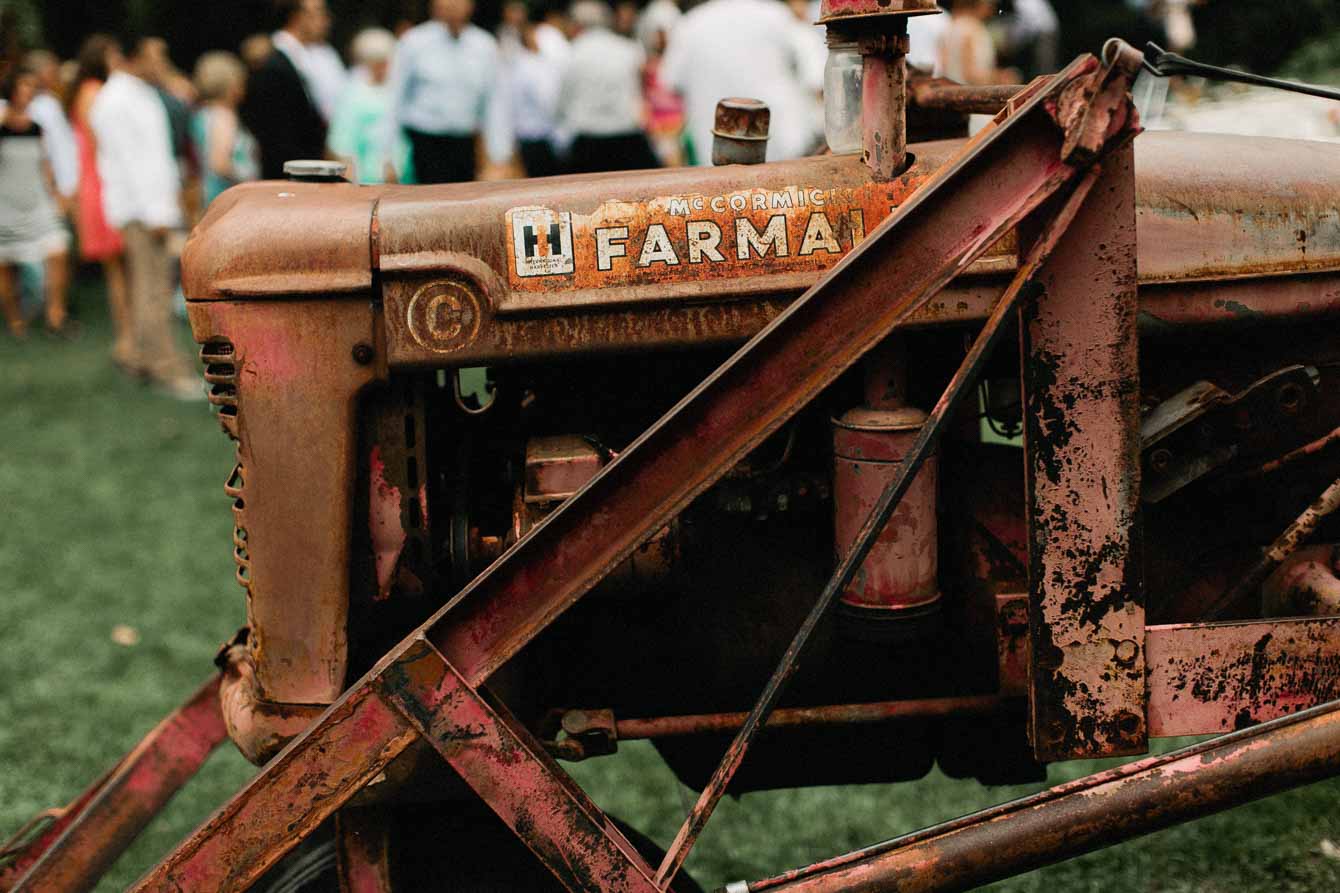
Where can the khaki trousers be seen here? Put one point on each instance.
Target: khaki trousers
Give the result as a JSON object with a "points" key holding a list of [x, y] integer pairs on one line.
{"points": [[149, 277]]}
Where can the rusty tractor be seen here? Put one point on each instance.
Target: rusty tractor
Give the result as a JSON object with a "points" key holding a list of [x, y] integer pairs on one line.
{"points": [[981, 453]]}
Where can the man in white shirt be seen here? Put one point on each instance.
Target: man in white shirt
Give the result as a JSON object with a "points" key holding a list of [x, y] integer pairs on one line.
{"points": [[600, 99], [141, 195], [446, 91], [1034, 34], [533, 77], [325, 71], [741, 48]]}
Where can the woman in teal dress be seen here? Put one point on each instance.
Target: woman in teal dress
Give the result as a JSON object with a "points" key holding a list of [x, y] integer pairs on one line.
{"points": [[227, 152], [360, 130]]}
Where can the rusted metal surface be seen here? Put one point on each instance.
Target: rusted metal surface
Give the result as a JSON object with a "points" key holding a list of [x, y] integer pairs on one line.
{"points": [[1306, 583], [596, 331], [363, 840], [869, 442], [1206, 678], [840, 10], [346, 748], [1082, 472], [1164, 308], [884, 102], [1100, 810], [1265, 207], [511, 772], [839, 714], [968, 99], [246, 247], [962, 384], [258, 727], [292, 395], [1269, 209], [900, 573], [740, 131], [1093, 110], [96, 830], [428, 231]]}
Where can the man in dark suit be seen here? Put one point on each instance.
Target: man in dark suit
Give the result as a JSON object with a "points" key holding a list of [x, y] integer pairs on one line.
{"points": [[279, 108]]}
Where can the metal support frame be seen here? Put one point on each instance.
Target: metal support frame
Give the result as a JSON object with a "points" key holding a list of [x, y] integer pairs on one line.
{"points": [[428, 687], [88, 836]]}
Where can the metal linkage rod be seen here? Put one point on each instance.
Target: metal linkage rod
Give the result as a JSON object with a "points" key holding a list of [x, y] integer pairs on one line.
{"points": [[960, 387], [1159, 61], [841, 714]]}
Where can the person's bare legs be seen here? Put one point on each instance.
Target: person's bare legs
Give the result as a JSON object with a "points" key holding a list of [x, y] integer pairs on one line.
{"points": [[118, 306], [9, 301], [58, 285]]}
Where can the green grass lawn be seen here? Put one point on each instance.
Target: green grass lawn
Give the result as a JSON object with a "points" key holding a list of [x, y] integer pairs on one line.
{"points": [[113, 514]]}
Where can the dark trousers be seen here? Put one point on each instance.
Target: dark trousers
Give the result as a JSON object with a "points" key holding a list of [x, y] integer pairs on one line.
{"points": [[538, 158], [621, 152], [442, 158]]}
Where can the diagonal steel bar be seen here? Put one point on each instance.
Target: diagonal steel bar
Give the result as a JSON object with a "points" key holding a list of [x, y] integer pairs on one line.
{"points": [[999, 178], [960, 386], [511, 771]]}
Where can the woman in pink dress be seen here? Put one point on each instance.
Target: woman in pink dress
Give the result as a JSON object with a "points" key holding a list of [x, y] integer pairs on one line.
{"points": [[98, 240]]}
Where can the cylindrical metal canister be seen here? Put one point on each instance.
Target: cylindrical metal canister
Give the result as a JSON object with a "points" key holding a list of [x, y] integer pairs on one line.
{"points": [[899, 579], [740, 131]]}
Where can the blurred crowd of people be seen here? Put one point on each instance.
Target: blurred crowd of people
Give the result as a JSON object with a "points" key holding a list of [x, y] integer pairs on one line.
{"points": [[125, 151]]}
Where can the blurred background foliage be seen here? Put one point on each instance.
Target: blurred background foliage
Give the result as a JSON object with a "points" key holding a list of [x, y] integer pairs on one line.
{"points": [[1262, 37]]}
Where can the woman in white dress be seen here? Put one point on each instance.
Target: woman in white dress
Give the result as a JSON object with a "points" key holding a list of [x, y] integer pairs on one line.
{"points": [[30, 227]]}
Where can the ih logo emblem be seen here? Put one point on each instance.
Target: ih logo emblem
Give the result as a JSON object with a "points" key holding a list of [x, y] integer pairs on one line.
{"points": [[541, 241]]}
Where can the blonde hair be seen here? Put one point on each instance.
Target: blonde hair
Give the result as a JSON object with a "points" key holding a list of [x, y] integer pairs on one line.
{"points": [[216, 73], [373, 45]]}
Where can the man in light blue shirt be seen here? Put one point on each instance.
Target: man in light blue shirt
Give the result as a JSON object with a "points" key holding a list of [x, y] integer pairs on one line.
{"points": [[446, 92]]}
